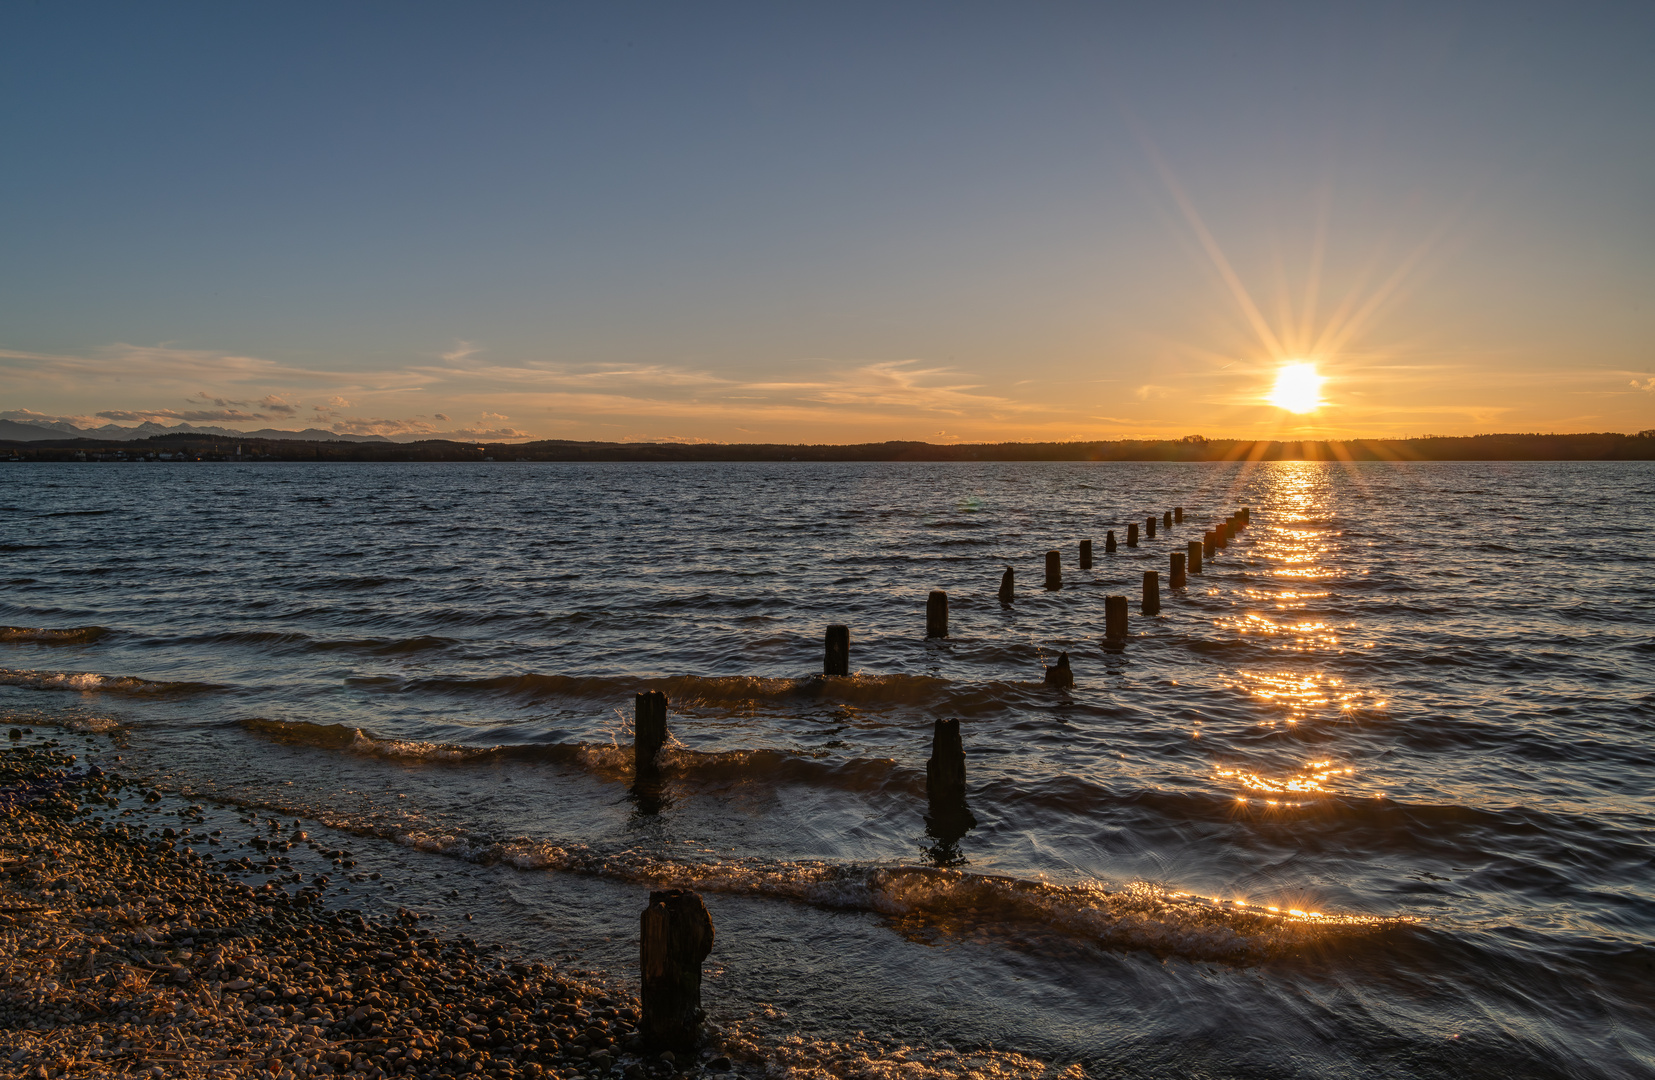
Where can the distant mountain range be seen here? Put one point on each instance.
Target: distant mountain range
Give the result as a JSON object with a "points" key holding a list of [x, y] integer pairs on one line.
{"points": [[37, 430]]}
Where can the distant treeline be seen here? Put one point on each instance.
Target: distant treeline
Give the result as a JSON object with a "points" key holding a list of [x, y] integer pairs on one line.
{"points": [[1606, 446]]}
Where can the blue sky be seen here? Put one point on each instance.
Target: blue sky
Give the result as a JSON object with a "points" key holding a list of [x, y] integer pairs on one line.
{"points": [[831, 222]]}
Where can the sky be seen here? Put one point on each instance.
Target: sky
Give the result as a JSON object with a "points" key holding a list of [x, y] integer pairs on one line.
{"points": [[829, 222]]}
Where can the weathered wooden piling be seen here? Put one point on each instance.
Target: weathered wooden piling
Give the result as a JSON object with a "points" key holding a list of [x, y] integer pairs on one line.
{"points": [[649, 732], [675, 935], [936, 614], [1149, 527], [1175, 580], [1109, 541], [1166, 519], [945, 781], [1008, 588], [1221, 537], [1086, 554], [1195, 556], [1132, 535], [1178, 515], [1152, 593], [836, 651], [1114, 619], [1054, 571], [1247, 514], [1209, 542], [1229, 531], [1060, 674]]}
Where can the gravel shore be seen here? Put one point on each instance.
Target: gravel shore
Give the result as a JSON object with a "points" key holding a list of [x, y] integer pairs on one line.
{"points": [[128, 954]]}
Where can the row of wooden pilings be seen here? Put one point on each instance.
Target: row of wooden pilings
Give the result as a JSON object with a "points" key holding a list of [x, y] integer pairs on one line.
{"points": [[676, 931]]}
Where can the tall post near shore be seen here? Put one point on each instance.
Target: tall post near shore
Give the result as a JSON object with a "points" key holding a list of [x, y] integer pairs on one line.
{"points": [[649, 732], [1008, 586], [1114, 620], [675, 935], [1132, 534], [836, 651], [1152, 593], [1109, 542], [1195, 556], [1086, 554], [945, 782], [1149, 527], [1054, 571], [936, 614], [1175, 580]]}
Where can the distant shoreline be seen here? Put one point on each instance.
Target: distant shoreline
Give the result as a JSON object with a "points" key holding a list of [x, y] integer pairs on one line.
{"points": [[1606, 446]]}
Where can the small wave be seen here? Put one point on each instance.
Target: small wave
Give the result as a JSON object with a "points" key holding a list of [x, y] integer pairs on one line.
{"points": [[696, 691], [88, 682], [42, 635], [78, 513]]}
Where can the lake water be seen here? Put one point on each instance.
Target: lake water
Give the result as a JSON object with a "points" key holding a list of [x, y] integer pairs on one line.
{"points": [[1370, 797]]}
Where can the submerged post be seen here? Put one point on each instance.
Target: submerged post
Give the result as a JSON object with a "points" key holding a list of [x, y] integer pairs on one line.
{"points": [[936, 614], [1114, 620], [1060, 674], [649, 731], [1178, 515], [1086, 554], [836, 651], [1054, 571], [1152, 593], [945, 781], [1008, 590], [1132, 535], [675, 935], [1166, 519], [1195, 556], [1176, 579], [1109, 541], [1149, 527]]}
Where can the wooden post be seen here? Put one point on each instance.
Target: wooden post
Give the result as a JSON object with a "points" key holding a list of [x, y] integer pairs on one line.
{"points": [[1229, 531], [1109, 541], [1132, 535], [1247, 514], [1086, 554], [1221, 538], [1149, 527], [1178, 515], [649, 732], [936, 614], [1176, 579], [1060, 674], [1195, 556], [1114, 620], [1008, 589], [1152, 593], [675, 935], [945, 781], [1054, 571], [1209, 543], [1166, 519], [836, 651]]}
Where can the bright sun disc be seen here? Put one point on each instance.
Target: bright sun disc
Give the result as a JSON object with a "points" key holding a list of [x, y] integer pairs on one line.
{"points": [[1298, 388]]}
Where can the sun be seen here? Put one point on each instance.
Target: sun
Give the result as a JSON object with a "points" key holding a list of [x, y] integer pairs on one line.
{"points": [[1298, 388]]}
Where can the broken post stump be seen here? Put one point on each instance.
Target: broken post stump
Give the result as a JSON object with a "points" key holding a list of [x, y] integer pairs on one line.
{"points": [[649, 732], [1175, 580], [675, 934], [1152, 593], [1114, 620], [1109, 541], [1132, 534], [1008, 590], [836, 651], [1195, 556], [945, 782], [1060, 674], [936, 614], [1086, 554], [1054, 571]]}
